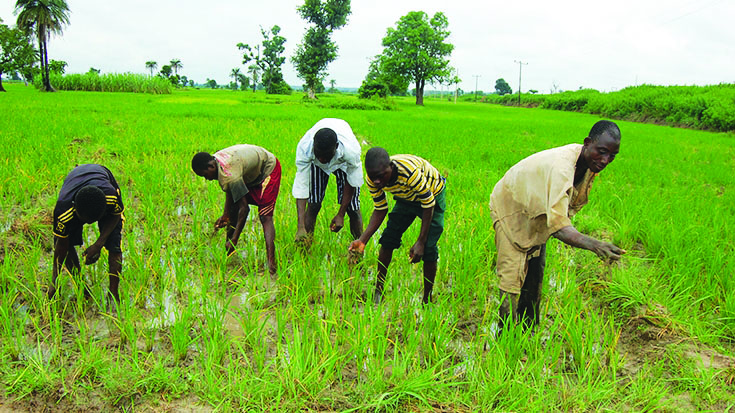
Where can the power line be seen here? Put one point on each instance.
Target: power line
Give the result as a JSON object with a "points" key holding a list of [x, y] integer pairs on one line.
{"points": [[520, 67]]}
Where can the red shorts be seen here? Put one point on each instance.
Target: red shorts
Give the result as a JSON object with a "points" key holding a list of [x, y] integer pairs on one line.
{"points": [[265, 194]]}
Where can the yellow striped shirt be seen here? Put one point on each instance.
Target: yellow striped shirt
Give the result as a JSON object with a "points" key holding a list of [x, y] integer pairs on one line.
{"points": [[416, 181]]}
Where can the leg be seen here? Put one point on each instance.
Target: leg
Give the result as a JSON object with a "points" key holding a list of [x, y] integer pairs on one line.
{"points": [[355, 223], [429, 275], [530, 298], [508, 310], [269, 230], [71, 263], [114, 262], [384, 258], [317, 189]]}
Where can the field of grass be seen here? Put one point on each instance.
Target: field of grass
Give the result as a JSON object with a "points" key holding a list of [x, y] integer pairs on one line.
{"points": [[196, 329]]}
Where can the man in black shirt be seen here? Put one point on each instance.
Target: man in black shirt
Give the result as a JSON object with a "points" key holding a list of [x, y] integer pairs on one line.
{"points": [[89, 194]]}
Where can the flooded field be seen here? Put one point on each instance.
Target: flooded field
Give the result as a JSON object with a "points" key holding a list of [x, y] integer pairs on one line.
{"points": [[198, 331]]}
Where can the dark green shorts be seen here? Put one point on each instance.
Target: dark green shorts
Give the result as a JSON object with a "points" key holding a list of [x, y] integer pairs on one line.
{"points": [[401, 217]]}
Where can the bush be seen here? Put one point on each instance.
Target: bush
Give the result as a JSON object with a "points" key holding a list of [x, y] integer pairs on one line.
{"points": [[369, 89], [113, 82], [700, 107]]}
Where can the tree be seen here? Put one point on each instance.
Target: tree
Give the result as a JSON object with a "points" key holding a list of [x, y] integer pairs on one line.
{"points": [[235, 74], [317, 49], [270, 61], [254, 71], [17, 54], [332, 89], [165, 71], [416, 50], [176, 65], [211, 83], [502, 87], [151, 65], [244, 81], [57, 66], [93, 71], [44, 18], [381, 81]]}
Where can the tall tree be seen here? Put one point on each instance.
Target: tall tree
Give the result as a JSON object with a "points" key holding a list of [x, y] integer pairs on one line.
{"points": [[416, 50], [235, 74], [44, 18], [176, 65], [17, 54], [270, 61], [254, 71], [151, 65], [317, 49]]}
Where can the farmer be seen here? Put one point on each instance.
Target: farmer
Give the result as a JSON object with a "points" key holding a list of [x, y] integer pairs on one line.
{"points": [[89, 194], [329, 147], [536, 200], [418, 191], [248, 174]]}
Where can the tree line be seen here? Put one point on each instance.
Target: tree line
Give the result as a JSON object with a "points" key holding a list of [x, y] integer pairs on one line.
{"points": [[415, 51]]}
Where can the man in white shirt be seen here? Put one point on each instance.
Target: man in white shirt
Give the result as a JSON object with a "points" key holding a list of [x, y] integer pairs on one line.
{"points": [[329, 147]]}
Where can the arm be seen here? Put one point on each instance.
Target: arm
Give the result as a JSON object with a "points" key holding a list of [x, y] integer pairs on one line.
{"points": [[339, 220], [225, 218], [605, 250], [61, 249], [242, 216], [301, 216], [417, 251], [92, 254], [375, 220]]}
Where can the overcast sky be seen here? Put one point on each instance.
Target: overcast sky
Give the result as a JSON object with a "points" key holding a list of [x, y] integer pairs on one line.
{"points": [[571, 44]]}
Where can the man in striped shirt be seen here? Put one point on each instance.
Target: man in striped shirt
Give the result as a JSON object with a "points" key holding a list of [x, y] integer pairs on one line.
{"points": [[89, 194], [418, 191]]}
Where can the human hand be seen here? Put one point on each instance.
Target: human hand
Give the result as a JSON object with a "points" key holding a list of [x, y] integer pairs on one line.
{"points": [[92, 254], [337, 223], [608, 252], [230, 247], [416, 252], [221, 222], [357, 246]]}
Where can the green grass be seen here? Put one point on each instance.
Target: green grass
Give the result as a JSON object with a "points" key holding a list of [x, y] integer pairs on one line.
{"points": [[654, 333]]}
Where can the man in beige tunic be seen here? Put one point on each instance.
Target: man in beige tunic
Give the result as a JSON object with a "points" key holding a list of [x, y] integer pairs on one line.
{"points": [[249, 175], [536, 200]]}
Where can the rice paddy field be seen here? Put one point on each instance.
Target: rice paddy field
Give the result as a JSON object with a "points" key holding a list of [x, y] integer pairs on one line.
{"points": [[197, 331]]}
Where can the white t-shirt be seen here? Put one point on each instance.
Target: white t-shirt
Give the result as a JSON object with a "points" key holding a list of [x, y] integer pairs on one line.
{"points": [[346, 158]]}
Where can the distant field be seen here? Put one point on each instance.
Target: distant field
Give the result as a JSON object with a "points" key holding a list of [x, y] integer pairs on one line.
{"points": [[654, 333]]}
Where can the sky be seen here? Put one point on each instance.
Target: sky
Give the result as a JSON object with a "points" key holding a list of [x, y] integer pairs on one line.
{"points": [[563, 45]]}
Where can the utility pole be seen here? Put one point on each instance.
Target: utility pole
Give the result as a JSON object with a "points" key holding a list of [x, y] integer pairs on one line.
{"points": [[520, 67], [476, 77]]}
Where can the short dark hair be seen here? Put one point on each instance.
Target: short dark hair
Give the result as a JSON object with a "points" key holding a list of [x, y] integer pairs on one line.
{"points": [[200, 161], [90, 202], [602, 127], [325, 142], [376, 158]]}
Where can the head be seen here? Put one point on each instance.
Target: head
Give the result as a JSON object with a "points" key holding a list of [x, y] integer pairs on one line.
{"points": [[90, 204], [325, 145], [601, 145], [204, 165], [377, 166]]}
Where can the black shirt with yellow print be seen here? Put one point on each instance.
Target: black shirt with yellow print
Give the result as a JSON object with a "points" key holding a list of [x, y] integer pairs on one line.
{"points": [[65, 218]]}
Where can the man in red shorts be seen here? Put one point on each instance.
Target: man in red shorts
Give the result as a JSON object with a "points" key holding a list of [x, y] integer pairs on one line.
{"points": [[248, 174]]}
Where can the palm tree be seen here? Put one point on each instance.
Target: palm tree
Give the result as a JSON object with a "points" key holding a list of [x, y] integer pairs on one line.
{"points": [[176, 65], [235, 74], [254, 71], [151, 65], [44, 18]]}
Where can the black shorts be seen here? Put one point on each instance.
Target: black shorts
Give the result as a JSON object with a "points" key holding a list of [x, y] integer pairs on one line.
{"points": [[114, 241]]}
